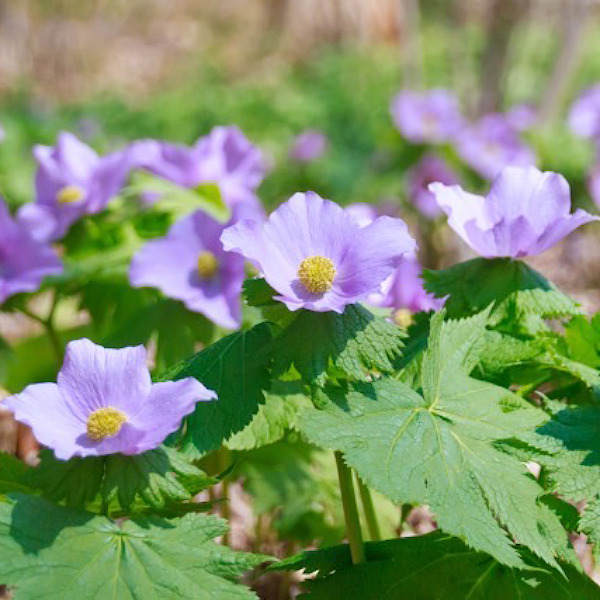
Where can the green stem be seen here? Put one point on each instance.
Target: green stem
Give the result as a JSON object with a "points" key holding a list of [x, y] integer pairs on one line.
{"points": [[224, 457], [48, 325], [369, 510], [353, 532]]}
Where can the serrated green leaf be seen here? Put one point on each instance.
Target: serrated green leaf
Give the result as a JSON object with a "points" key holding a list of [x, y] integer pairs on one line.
{"points": [[428, 567], [155, 478], [14, 474], [236, 369], [60, 554], [354, 343], [438, 447], [515, 290], [276, 416]]}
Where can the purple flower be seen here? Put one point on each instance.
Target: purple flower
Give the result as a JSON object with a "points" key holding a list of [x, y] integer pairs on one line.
{"points": [[190, 265], [362, 212], [429, 169], [308, 146], [584, 116], [2, 133], [71, 181], [594, 185], [404, 289], [224, 157], [432, 116], [24, 261], [525, 213], [522, 117], [492, 144], [104, 402], [317, 256]]}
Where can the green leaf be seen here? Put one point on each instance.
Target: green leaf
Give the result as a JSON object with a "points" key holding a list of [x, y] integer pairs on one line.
{"points": [[354, 343], [181, 201], [69, 555], [583, 340], [274, 418], [236, 369], [14, 474], [568, 448], [156, 478], [432, 566], [438, 447], [517, 292]]}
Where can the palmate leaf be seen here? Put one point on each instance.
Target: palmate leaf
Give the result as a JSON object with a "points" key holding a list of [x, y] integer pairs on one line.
{"points": [[432, 566], [354, 343], [274, 418], [55, 553], [438, 447], [236, 368], [519, 294], [155, 479]]}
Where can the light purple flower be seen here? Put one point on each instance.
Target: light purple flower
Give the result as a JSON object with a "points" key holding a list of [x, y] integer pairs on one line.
{"points": [[190, 265], [492, 144], [404, 289], [308, 146], [317, 256], [224, 157], [71, 181], [104, 402], [522, 117], [594, 185], [432, 116], [525, 213], [428, 170], [584, 116], [362, 212], [2, 133], [24, 261]]}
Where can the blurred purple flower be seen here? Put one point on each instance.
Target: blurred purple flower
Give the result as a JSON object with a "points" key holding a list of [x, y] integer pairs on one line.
{"points": [[428, 170], [594, 185], [492, 144], [2, 133], [105, 403], [71, 181], [24, 261], [584, 116], [522, 117], [190, 265], [432, 116], [316, 256], [404, 289], [525, 213], [224, 157], [308, 146]]}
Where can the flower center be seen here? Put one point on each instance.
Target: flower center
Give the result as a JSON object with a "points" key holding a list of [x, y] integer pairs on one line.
{"points": [[104, 423], [208, 265], [70, 194], [316, 274], [403, 317]]}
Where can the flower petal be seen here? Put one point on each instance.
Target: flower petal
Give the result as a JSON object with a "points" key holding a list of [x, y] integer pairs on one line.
{"points": [[164, 409], [93, 377], [48, 412]]}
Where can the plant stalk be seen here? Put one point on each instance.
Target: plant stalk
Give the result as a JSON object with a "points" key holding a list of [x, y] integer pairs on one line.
{"points": [[353, 532], [369, 510]]}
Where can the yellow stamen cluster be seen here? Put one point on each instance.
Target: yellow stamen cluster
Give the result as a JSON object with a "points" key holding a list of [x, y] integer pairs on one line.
{"points": [[403, 317], [316, 274], [104, 423], [70, 194], [208, 265]]}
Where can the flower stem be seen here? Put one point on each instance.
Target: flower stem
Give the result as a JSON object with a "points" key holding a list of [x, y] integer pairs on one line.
{"points": [[353, 532], [48, 325], [369, 510]]}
